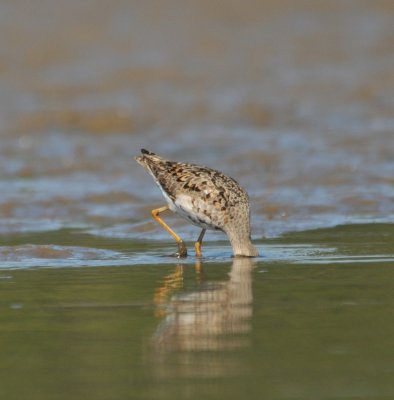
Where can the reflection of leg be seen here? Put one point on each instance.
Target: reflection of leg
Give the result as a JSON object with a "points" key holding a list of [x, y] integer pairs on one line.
{"points": [[182, 251], [171, 283], [198, 270], [197, 245]]}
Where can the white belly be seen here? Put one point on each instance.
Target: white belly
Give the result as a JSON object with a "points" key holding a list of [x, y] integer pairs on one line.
{"points": [[191, 209]]}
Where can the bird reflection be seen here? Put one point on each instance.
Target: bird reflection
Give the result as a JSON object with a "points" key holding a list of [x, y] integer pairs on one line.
{"points": [[215, 316]]}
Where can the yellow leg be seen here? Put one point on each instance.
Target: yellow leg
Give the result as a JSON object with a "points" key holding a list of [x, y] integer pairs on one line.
{"points": [[197, 245], [182, 251]]}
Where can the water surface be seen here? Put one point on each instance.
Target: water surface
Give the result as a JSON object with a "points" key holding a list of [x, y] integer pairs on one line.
{"points": [[308, 319]]}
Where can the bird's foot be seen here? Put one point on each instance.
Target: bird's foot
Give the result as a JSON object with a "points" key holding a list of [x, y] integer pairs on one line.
{"points": [[182, 250]]}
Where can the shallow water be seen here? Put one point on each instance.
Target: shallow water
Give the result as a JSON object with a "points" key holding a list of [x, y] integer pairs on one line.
{"points": [[294, 100], [309, 319]]}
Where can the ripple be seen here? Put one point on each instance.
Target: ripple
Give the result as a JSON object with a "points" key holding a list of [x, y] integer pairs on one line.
{"points": [[30, 256], [55, 256]]}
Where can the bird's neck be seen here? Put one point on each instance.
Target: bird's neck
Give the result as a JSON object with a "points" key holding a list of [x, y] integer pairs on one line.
{"points": [[241, 243]]}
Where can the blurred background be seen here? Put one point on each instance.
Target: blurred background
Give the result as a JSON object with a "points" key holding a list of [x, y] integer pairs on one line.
{"points": [[293, 99]]}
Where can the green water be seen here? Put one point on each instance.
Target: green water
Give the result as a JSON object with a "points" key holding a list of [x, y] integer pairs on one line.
{"points": [[312, 319]]}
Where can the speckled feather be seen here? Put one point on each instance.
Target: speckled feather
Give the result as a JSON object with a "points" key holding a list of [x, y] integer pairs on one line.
{"points": [[204, 196]]}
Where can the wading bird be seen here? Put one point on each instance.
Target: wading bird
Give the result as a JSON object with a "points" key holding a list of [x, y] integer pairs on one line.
{"points": [[205, 197]]}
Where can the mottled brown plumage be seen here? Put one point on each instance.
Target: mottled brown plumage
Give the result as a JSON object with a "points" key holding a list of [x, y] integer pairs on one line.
{"points": [[204, 196]]}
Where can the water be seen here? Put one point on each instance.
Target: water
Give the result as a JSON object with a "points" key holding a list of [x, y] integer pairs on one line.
{"points": [[309, 319], [294, 100]]}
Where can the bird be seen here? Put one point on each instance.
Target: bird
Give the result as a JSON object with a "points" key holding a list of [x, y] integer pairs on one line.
{"points": [[205, 197]]}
